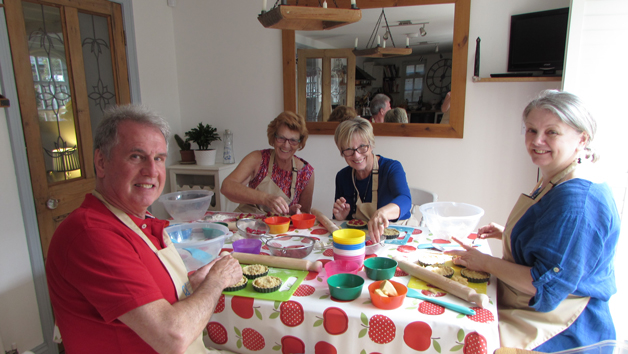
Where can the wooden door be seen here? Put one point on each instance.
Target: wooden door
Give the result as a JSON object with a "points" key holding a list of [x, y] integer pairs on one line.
{"points": [[69, 61], [326, 78]]}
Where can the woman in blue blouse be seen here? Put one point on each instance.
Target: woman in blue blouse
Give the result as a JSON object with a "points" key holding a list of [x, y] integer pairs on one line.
{"points": [[556, 275], [372, 188]]}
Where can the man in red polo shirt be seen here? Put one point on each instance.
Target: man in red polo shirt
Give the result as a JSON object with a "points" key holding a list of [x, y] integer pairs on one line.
{"points": [[116, 282]]}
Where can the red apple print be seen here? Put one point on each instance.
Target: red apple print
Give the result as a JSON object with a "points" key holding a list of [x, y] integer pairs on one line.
{"points": [[290, 344], [304, 290], [324, 260], [319, 231], [410, 240], [220, 307], [481, 315], [429, 308], [265, 247], [382, 329], [417, 232], [438, 240], [305, 240], [291, 228], [274, 244], [291, 313], [328, 253], [472, 236], [431, 294], [217, 333], [243, 306], [251, 339], [311, 275], [295, 246], [474, 343], [335, 321], [324, 348], [406, 249], [370, 256], [400, 273], [418, 336]]}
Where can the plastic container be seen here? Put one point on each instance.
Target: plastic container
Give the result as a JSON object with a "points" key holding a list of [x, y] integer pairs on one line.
{"points": [[388, 302], [374, 248], [197, 243], [187, 205], [340, 246], [447, 219], [337, 267], [247, 245], [252, 228], [357, 259], [303, 221], [349, 236], [278, 224], [603, 347], [345, 286], [290, 246], [380, 268]]}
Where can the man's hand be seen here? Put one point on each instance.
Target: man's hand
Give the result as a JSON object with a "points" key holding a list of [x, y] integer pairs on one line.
{"points": [[226, 271]]}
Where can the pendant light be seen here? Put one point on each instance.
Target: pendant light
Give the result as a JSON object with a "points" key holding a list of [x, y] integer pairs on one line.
{"points": [[381, 51]]}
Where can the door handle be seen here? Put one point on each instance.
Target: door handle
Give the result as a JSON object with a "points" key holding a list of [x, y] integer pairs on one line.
{"points": [[52, 203]]}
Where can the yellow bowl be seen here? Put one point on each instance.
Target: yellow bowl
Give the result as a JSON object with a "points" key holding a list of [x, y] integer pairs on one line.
{"points": [[278, 224], [349, 236]]}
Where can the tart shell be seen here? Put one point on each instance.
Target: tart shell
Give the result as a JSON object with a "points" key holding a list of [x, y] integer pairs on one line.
{"points": [[474, 276], [267, 290], [253, 276], [238, 287]]}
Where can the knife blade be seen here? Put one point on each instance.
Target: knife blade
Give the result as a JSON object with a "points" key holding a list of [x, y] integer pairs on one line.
{"points": [[288, 284]]}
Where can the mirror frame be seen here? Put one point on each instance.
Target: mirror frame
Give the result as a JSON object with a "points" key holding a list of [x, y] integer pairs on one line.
{"points": [[458, 73]]}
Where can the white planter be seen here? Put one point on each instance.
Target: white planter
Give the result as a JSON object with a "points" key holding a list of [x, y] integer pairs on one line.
{"points": [[205, 157]]}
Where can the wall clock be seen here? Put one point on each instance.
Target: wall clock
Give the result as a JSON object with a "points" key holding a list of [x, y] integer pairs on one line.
{"points": [[439, 77]]}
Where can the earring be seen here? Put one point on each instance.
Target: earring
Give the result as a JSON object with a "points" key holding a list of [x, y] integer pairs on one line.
{"points": [[579, 160]]}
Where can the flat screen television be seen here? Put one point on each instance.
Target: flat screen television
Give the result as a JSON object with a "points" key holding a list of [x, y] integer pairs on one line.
{"points": [[537, 41]]}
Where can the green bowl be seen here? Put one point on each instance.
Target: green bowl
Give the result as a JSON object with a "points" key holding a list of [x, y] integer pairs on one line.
{"points": [[345, 286], [380, 268]]}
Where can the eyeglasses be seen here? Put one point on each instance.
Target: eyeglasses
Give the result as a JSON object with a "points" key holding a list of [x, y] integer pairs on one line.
{"points": [[362, 149], [281, 140]]}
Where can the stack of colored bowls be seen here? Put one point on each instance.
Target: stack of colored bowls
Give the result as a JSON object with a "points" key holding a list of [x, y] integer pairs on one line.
{"points": [[349, 245]]}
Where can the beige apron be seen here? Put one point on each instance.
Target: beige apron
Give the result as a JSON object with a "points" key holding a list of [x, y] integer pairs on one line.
{"points": [[364, 211], [171, 260], [268, 186], [520, 326]]}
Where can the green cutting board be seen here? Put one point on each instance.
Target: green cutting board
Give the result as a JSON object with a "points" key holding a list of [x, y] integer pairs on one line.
{"points": [[282, 274]]}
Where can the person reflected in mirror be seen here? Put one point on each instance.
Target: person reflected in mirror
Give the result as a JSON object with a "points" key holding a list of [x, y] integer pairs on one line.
{"points": [[342, 113], [274, 180], [116, 282], [444, 107], [556, 275], [380, 104], [396, 115], [371, 188]]}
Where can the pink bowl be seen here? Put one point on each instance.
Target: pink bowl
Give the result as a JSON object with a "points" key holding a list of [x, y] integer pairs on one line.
{"points": [[341, 266], [357, 259]]}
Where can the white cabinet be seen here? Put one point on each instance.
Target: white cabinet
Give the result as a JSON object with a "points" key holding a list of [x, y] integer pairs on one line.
{"points": [[187, 177]]}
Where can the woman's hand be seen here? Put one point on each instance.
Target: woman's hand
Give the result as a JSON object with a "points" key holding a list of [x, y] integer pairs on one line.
{"points": [[276, 204], [491, 230], [341, 209], [295, 209], [376, 225]]}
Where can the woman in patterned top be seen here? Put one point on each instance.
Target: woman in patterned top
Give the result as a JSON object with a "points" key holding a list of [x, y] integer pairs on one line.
{"points": [[274, 180]]}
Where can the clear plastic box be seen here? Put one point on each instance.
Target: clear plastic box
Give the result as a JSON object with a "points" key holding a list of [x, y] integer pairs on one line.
{"points": [[198, 243], [604, 347]]}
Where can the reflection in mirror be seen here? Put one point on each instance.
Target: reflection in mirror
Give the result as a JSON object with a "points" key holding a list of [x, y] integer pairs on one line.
{"points": [[427, 30], [420, 81]]}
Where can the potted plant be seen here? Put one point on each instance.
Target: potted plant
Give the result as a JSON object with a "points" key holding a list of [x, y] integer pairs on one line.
{"points": [[203, 135], [187, 154]]}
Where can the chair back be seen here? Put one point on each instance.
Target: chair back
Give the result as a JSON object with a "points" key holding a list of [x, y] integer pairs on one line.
{"points": [[420, 197]]}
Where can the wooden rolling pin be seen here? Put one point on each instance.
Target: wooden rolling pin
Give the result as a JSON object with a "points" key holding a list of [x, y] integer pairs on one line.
{"points": [[452, 287], [323, 220], [277, 262]]}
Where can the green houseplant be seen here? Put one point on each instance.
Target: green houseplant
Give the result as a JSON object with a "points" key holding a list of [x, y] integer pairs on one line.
{"points": [[203, 135], [187, 154]]}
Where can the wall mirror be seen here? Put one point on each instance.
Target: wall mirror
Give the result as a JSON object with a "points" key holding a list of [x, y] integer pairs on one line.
{"points": [[452, 50]]}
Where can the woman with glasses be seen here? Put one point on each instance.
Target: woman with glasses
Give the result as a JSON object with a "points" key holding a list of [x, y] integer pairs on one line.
{"points": [[372, 188], [274, 180]]}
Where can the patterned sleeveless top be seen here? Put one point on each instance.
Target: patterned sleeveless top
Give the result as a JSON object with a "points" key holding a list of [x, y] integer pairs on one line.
{"points": [[282, 178]]}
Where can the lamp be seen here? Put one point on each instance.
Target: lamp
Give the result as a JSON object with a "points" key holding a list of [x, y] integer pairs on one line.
{"points": [[422, 31], [307, 18], [436, 50], [381, 51], [65, 160]]}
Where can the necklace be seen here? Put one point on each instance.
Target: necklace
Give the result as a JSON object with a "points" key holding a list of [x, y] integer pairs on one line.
{"points": [[368, 183]]}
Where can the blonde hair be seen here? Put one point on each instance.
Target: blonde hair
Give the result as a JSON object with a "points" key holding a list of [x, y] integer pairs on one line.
{"points": [[349, 128], [570, 109], [396, 115], [292, 121]]}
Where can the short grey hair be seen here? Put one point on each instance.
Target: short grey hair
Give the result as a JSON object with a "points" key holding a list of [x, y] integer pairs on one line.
{"points": [[396, 115], [356, 126], [378, 103], [106, 136], [570, 109]]}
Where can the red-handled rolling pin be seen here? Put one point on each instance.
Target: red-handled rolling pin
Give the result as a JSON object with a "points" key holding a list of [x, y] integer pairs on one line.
{"points": [[277, 262]]}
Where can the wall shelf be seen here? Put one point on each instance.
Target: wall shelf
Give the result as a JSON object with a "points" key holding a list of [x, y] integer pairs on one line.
{"points": [[517, 79]]}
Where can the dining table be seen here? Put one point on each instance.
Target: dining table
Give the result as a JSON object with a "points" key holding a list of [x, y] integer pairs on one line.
{"points": [[312, 321]]}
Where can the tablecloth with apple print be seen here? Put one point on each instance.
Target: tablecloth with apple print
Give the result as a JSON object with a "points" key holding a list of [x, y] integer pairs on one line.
{"points": [[314, 322]]}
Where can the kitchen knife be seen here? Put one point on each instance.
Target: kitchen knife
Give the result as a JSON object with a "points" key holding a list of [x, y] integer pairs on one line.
{"points": [[458, 308]]}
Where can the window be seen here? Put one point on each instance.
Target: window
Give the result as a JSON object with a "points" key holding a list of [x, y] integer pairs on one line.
{"points": [[413, 87]]}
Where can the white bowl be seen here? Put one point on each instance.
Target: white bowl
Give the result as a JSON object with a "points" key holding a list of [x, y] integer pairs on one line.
{"points": [[187, 205], [447, 219], [197, 243]]}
